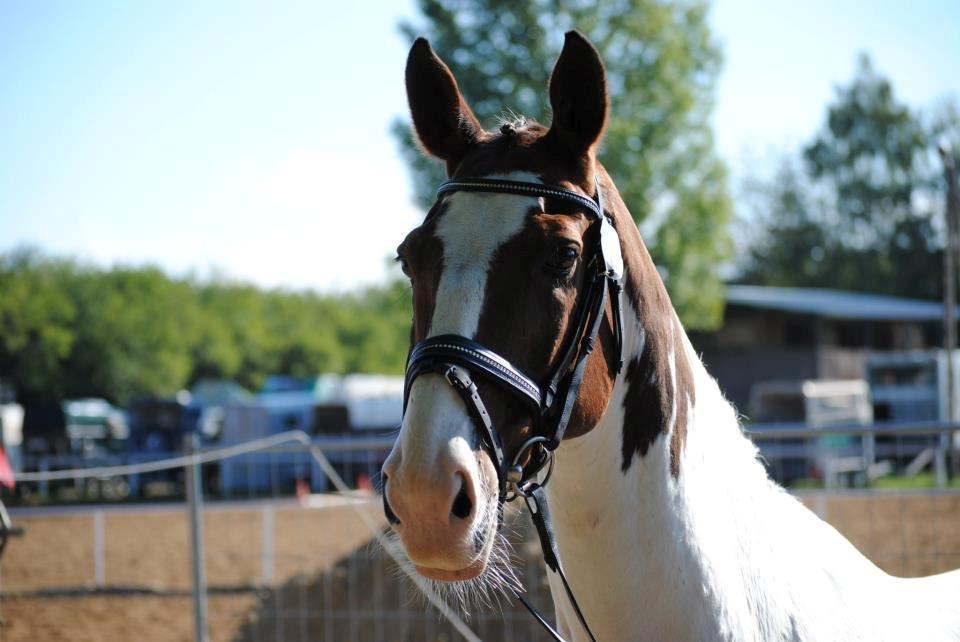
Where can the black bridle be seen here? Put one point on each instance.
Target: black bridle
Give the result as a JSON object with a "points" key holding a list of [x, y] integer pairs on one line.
{"points": [[550, 403]]}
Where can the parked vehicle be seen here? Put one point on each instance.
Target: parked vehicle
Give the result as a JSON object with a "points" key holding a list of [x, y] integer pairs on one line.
{"points": [[331, 408], [817, 404], [912, 386]]}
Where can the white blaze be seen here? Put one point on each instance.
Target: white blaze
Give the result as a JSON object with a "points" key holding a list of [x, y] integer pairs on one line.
{"points": [[471, 230], [474, 226]]}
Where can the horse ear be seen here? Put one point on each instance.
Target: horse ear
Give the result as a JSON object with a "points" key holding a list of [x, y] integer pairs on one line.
{"points": [[578, 95], [442, 119]]}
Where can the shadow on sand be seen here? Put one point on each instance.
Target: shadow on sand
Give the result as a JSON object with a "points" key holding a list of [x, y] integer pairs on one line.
{"points": [[365, 597]]}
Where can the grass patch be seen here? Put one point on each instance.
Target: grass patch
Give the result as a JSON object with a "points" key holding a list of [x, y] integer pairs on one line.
{"points": [[890, 482], [923, 480]]}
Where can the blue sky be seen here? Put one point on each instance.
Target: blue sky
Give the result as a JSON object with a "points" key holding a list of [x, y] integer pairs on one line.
{"points": [[253, 141]]}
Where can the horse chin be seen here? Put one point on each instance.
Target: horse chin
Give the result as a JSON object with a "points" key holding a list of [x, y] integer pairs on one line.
{"points": [[472, 571], [484, 541]]}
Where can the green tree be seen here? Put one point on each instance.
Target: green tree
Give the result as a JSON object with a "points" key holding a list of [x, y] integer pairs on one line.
{"points": [[863, 215], [132, 335], [661, 65], [379, 334], [71, 330], [37, 323], [868, 155], [792, 243]]}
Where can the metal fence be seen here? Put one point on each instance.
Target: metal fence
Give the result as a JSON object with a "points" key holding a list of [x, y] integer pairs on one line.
{"points": [[283, 562], [859, 455], [272, 559]]}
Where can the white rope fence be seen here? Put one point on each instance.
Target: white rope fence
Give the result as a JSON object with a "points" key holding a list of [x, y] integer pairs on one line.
{"points": [[267, 443]]}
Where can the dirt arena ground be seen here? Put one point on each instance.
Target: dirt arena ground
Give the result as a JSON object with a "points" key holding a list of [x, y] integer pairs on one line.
{"points": [[905, 533], [150, 551]]}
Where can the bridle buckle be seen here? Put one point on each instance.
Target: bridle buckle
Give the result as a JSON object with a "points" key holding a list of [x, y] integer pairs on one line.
{"points": [[452, 375], [518, 483]]}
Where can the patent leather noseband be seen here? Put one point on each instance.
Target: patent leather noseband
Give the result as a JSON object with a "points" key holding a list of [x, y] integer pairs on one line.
{"points": [[550, 403]]}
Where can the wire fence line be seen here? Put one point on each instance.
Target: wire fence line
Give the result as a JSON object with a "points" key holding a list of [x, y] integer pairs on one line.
{"points": [[757, 432], [271, 443], [892, 489]]}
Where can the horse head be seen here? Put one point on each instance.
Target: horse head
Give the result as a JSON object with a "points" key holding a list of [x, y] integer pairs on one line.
{"points": [[507, 273]]}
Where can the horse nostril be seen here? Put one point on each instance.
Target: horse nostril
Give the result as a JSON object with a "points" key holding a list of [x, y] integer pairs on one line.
{"points": [[462, 504], [391, 516]]}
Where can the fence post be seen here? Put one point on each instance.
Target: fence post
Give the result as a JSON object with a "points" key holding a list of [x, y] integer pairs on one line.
{"points": [[267, 545], [99, 569], [940, 460], [951, 255], [44, 487], [194, 492]]}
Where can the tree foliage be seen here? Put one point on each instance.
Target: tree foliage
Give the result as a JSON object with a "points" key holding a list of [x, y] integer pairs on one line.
{"points": [[72, 330], [863, 210], [661, 64]]}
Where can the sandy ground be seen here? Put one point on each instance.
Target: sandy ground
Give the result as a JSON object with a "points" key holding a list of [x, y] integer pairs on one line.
{"points": [[150, 550], [323, 580], [906, 534]]}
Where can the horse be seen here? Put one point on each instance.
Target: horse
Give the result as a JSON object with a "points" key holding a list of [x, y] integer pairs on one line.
{"points": [[666, 521]]}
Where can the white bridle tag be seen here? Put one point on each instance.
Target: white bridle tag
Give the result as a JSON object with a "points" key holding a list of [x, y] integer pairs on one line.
{"points": [[610, 246]]}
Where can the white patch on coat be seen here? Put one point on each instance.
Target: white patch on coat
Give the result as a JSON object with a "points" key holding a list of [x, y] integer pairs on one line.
{"points": [[721, 552]]}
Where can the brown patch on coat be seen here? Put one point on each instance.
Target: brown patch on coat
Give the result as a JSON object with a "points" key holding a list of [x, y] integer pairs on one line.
{"points": [[422, 252], [528, 307], [652, 396]]}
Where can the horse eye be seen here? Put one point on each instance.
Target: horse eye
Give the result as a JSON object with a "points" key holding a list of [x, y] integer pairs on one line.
{"points": [[566, 256], [403, 265]]}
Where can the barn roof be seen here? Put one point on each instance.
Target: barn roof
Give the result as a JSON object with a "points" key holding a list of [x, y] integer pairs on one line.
{"points": [[834, 304]]}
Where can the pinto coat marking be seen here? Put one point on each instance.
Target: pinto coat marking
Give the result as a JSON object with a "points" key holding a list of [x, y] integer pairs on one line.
{"points": [[667, 524]]}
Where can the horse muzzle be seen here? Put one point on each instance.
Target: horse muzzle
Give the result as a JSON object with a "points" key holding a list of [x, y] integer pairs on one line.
{"points": [[444, 514]]}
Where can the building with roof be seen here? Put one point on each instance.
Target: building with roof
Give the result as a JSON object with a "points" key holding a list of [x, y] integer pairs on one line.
{"points": [[794, 334]]}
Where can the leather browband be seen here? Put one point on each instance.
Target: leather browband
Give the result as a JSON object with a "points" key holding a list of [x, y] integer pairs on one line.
{"points": [[521, 188]]}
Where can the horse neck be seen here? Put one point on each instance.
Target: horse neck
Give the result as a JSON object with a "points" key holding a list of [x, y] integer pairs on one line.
{"points": [[630, 498], [634, 534], [669, 527]]}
